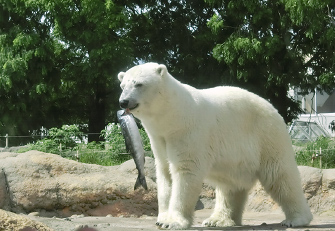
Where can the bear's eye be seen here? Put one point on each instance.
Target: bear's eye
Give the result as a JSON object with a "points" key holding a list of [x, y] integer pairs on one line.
{"points": [[137, 85]]}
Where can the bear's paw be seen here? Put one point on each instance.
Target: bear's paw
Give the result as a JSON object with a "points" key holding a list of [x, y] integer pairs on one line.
{"points": [[174, 222], [296, 222], [162, 217], [218, 222]]}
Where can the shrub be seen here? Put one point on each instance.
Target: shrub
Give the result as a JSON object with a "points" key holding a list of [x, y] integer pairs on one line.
{"points": [[67, 142], [145, 140], [114, 139], [61, 141], [312, 151], [67, 135], [95, 153]]}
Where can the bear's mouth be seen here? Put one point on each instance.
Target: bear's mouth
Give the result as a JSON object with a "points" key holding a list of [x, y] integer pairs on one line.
{"points": [[132, 108]]}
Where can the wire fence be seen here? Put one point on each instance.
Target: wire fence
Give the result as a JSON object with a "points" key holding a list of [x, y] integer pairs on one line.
{"points": [[300, 134], [105, 153], [6, 140], [317, 157], [307, 151]]}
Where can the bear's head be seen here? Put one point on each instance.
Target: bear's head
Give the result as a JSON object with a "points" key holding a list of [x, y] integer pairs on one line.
{"points": [[142, 86]]}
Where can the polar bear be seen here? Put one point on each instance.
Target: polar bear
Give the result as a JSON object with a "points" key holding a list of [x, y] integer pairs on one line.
{"points": [[225, 135]]}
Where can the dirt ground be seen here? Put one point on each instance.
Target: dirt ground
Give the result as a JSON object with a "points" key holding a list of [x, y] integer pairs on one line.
{"points": [[251, 221]]}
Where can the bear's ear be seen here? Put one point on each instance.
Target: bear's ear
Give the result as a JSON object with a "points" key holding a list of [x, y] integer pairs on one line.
{"points": [[161, 70], [120, 76]]}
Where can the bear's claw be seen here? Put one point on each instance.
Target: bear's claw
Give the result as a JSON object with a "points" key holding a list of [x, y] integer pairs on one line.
{"points": [[218, 222], [166, 221], [173, 226], [298, 221]]}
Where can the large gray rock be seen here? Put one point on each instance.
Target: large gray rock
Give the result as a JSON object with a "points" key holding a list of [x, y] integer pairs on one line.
{"points": [[328, 179], [53, 186], [311, 179], [12, 221], [4, 195], [38, 181], [318, 186], [325, 199]]}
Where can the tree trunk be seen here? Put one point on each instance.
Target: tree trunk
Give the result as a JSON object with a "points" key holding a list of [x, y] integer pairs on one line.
{"points": [[280, 101], [97, 114]]}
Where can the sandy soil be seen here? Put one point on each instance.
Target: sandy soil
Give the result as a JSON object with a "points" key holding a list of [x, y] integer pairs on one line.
{"points": [[251, 221]]}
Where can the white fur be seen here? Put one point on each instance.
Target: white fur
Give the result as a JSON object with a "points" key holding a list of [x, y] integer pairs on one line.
{"points": [[225, 135]]}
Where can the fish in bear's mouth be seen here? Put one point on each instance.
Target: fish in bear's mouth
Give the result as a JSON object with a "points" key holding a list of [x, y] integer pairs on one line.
{"points": [[127, 110]]}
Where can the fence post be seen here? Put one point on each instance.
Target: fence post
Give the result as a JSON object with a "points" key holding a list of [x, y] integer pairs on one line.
{"points": [[6, 140], [320, 159], [314, 155], [77, 156]]}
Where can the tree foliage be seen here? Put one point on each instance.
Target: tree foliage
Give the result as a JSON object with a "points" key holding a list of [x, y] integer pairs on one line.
{"points": [[95, 32], [176, 33], [29, 73], [272, 45], [58, 63], [59, 59]]}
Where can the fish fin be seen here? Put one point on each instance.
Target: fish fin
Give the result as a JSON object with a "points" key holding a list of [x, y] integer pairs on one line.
{"points": [[141, 182]]}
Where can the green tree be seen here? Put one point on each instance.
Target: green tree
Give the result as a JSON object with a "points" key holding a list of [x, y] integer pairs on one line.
{"points": [[95, 31], [29, 75], [58, 63], [59, 59], [176, 34], [274, 45]]}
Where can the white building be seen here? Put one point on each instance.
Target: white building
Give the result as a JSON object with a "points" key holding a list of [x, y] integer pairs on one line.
{"points": [[319, 108]]}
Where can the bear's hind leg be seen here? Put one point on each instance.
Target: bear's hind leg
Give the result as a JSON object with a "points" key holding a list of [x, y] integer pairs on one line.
{"points": [[284, 186], [228, 209]]}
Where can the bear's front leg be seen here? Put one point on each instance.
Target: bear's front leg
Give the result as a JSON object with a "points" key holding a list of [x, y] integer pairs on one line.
{"points": [[164, 184], [186, 187]]}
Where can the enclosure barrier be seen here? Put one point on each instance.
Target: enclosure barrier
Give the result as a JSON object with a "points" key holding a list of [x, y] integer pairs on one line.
{"points": [[314, 154], [5, 140]]}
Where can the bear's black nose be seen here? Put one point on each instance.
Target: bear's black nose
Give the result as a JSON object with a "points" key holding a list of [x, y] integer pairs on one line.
{"points": [[124, 103]]}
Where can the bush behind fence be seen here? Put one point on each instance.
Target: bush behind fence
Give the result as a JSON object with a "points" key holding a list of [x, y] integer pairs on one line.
{"points": [[71, 143]]}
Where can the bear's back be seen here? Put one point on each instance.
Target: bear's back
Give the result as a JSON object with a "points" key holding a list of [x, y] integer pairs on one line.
{"points": [[237, 99], [240, 107]]}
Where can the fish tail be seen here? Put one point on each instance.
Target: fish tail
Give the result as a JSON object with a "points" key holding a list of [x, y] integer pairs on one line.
{"points": [[141, 182]]}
